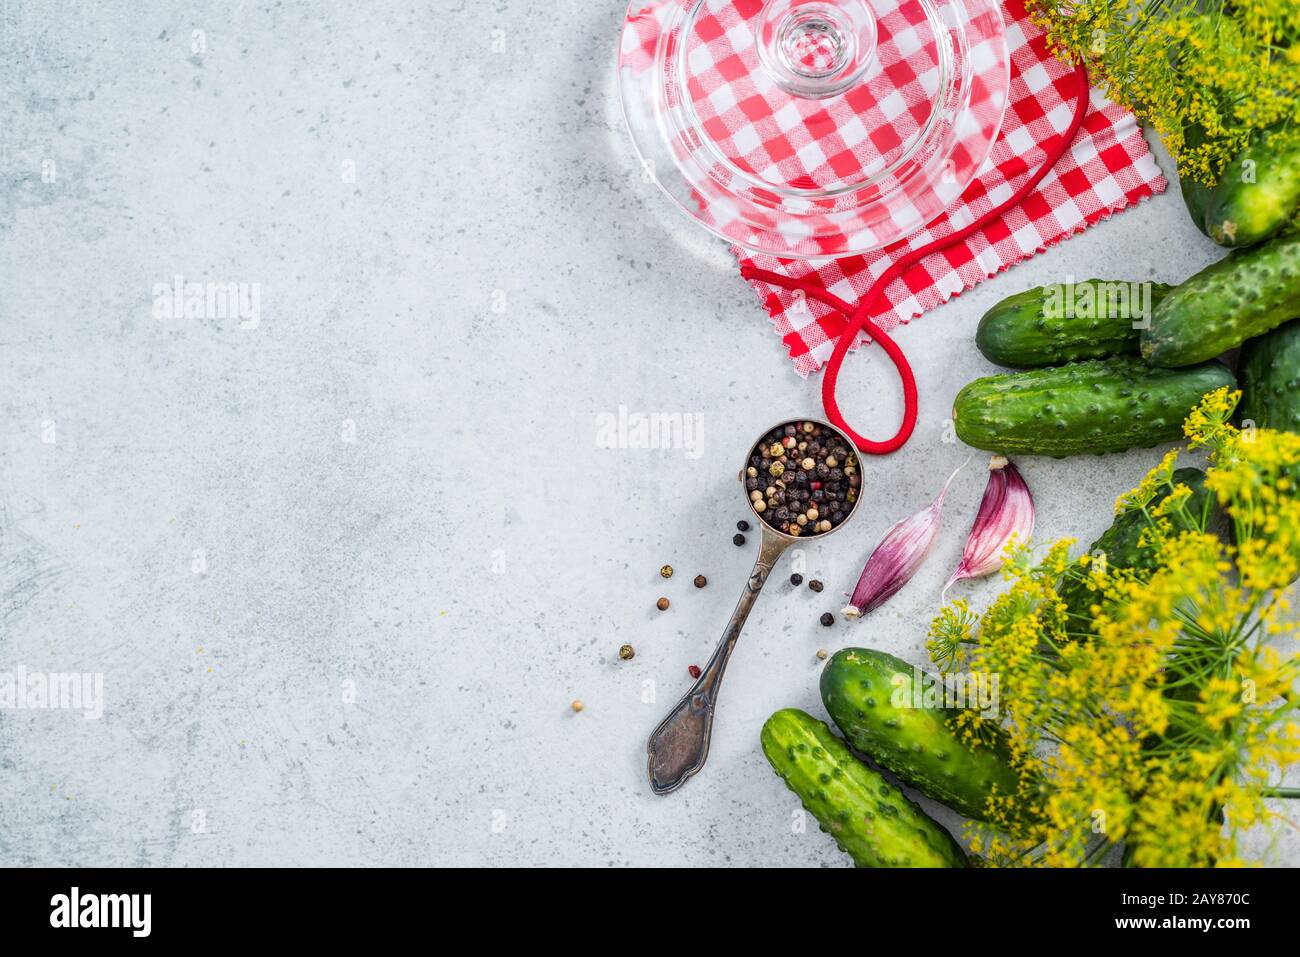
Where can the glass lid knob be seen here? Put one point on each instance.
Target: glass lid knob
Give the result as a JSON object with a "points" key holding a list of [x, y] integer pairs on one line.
{"points": [[815, 49]]}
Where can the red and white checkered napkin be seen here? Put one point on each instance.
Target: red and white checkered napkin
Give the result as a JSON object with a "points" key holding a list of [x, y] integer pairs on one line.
{"points": [[1108, 168]]}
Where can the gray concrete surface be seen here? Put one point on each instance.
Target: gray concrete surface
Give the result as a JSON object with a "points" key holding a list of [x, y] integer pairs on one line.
{"points": [[344, 567]]}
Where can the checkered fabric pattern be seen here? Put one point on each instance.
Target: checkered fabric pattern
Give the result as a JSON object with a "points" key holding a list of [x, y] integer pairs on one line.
{"points": [[1108, 168], [809, 143]]}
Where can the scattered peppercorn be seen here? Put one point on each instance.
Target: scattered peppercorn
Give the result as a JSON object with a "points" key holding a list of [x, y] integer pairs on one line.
{"points": [[666, 571], [821, 654], [815, 585], [700, 581], [743, 525], [738, 539], [662, 604], [577, 705], [796, 579], [827, 619], [627, 653], [693, 671]]}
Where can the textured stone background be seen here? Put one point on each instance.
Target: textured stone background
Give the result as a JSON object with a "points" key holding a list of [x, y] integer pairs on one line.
{"points": [[494, 277]]}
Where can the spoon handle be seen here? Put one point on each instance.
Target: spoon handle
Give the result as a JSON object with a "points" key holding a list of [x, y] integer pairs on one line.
{"points": [[680, 745]]}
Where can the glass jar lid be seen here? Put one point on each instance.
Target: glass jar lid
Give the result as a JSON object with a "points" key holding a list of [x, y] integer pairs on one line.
{"points": [[811, 129]]}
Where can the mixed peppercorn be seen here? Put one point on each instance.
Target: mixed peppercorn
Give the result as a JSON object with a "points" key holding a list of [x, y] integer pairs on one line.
{"points": [[802, 479]]}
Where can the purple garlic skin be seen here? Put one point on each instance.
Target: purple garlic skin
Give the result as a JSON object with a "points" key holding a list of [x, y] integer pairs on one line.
{"points": [[896, 559], [1006, 511]]}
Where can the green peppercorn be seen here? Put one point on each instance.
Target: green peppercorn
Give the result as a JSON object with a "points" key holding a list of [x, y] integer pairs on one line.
{"points": [[666, 571], [627, 653]]}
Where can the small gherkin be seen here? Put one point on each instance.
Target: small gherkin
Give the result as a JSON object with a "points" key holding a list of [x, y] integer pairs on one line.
{"points": [[1237, 298], [1270, 379], [1098, 405], [921, 746], [1066, 322], [870, 820]]}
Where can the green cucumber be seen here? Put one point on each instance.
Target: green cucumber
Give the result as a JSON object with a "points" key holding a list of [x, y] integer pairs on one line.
{"points": [[1121, 543], [1048, 325], [871, 820], [1099, 405], [1258, 193], [1270, 379], [1196, 195], [1223, 305], [871, 697]]}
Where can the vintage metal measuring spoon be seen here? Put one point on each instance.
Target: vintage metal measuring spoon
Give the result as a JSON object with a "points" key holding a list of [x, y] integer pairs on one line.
{"points": [[679, 747]]}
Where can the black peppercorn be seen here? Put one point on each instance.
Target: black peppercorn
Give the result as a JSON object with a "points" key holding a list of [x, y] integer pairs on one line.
{"points": [[738, 539], [827, 619], [743, 526], [700, 581], [796, 579], [815, 585]]}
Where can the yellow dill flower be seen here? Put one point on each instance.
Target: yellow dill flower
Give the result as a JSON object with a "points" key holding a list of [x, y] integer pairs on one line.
{"points": [[1165, 724], [1228, 71]]}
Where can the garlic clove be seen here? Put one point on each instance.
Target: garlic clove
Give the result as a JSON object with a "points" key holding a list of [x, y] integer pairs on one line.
{"points": [[900, 553], [1006, 512]]}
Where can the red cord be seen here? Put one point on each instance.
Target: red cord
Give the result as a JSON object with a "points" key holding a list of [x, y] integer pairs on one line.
{"points": [[859, 318]]}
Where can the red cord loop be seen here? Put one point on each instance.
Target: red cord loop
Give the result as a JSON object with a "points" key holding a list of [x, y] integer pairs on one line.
{"points": [[859, 319]]}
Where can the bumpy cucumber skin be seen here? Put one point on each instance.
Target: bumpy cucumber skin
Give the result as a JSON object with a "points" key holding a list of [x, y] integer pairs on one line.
{"points": [[1269, 373], [1099, 405], [1121, 542], [871, 820], [1018, 333], [921, 746], [1241, 213], [1223, 305], [1196, 197]]}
